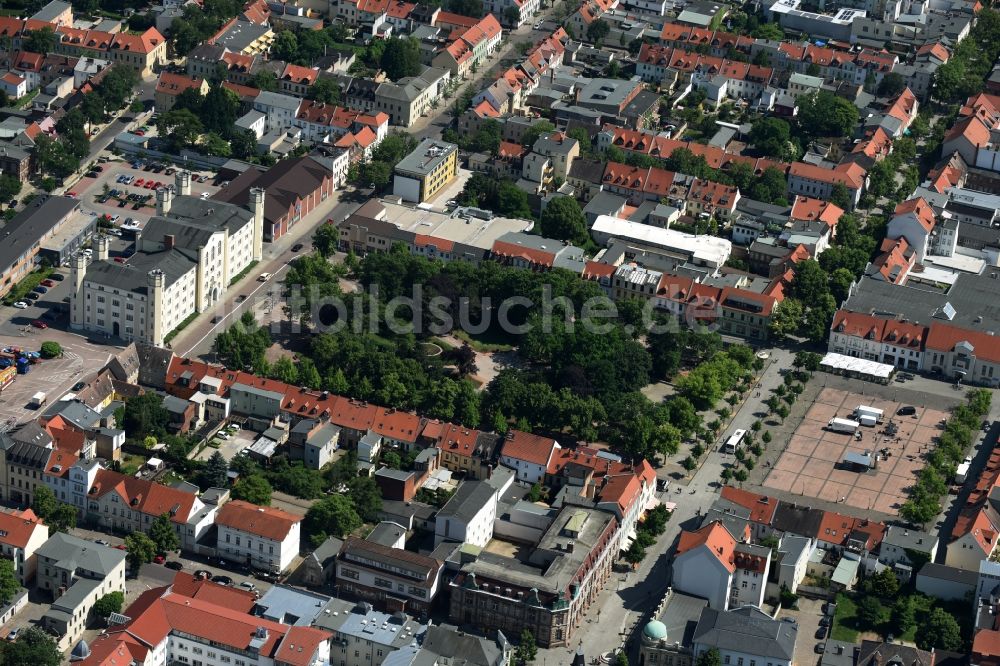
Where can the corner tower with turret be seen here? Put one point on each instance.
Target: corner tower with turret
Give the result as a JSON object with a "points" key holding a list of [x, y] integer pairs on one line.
{"points": [[156, 282], [257, 206], [78, 273]]}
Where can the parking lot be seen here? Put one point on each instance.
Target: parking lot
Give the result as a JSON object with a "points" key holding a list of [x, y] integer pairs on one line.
{"points": [[54, 377], [807, 615], [229, 447], [144, 184], [812, 464]]}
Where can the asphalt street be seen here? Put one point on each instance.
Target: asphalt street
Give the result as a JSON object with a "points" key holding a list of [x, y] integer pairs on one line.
{"points": [[198, 337]]}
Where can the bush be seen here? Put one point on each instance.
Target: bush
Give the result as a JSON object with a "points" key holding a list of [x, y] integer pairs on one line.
{"points": [[51, 349]]}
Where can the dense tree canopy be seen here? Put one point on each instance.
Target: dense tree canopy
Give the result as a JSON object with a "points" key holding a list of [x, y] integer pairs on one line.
{"points": [[401, 58], [823, 114], [562, 219]]}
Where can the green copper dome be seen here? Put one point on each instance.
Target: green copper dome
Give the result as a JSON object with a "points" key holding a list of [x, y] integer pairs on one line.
{"points": [[655, 630]]}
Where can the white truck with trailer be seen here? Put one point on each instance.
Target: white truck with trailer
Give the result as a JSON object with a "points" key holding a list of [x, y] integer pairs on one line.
{"points": [[868, 415], [843, 425]]}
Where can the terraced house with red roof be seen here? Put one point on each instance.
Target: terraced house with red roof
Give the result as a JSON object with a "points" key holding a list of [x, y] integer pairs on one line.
{"points": [[472, 47], [124, 503]]}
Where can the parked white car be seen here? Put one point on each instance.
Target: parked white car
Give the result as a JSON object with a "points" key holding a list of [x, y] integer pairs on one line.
{"points": [[21, 305]]}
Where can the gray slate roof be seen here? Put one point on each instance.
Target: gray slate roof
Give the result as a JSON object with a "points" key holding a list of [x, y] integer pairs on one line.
{"points": [[747, 630], [470, 499], [75, 553]]}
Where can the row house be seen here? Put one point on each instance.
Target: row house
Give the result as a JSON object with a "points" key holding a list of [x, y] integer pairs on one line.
{"points": [[637, 183], [124, 503], [707, 199], [818, 182], [142, 52], [713, 42], [889, 341], [471, 49], [513, 86], [321, 122], [297, 80], [973, 540]]}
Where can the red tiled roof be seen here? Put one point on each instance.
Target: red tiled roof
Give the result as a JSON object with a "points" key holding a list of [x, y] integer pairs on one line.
{"points": [[716, 538], [836, 528], [761, 507], [144, 43], [300, 646], [596, 270], [396, 424], [450, 19], [971, 129], [986, 646], [622, 490], [849, 174], [896, 260], [937, 49], [231, 597], [18, 526], [920, 210], [299, 74], [529, 447], [147, 497], [807, 208], [263, 521], [529, 254], [943, 337], [174, 84], [904, 108]]}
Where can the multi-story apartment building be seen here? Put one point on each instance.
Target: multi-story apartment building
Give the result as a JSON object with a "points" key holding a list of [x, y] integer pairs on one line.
{"points": [[76, 573], [262, 537], [21, 534], [25, 234], [730, 573], [126, 504], [186, 257], [394, 579]]}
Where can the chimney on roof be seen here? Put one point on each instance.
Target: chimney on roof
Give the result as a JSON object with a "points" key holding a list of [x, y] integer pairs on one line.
{"points": [[168, 241]]}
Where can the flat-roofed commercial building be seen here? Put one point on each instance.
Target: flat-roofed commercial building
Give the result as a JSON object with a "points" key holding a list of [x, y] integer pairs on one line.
{"points": [[422, 173]]}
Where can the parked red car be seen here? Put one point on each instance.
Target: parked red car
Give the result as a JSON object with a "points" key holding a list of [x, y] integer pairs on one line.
{"points": [[159, 559], [38, 323], [48, 283]]}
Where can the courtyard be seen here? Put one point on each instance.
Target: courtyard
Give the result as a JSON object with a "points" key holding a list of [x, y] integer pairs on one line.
{"points": [[811, 464]]}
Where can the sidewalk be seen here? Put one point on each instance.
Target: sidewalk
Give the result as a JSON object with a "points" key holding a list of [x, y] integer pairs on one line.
{"points": [[624, 606]]}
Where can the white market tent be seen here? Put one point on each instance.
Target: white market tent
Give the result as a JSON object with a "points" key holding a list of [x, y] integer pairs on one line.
{"points": [[861, 368]]}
